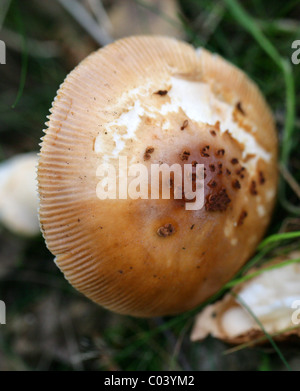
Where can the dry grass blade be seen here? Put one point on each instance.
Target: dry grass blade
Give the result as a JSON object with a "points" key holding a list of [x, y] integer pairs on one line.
{"points": [[84, 18], [290, 179], [258, 340]]}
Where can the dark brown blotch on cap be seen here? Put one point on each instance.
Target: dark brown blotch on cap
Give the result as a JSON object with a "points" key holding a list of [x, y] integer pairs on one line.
{"points": [[204, 151], [236, 184], [166, 230], [148, 151], [240, 108], [218, 201], [185, 155], [234, 161], [185, 124], [161, 92], [220, 152], [212, 184], [253, 189], [242, 217], [261, 178]]}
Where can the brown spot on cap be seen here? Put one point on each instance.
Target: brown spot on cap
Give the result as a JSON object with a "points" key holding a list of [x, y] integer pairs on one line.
{"points": [[161, 92], [220, 171], [234, 161], [240, 108], [240, 170], [242, 217], [253, 190], [218, 201], [261, 178], [212, 184], [212, 167], [148, 151], [220, 152], [213, 133], [236, 184], [203, 152], [185, 124], [166, 230], [185, 155]]}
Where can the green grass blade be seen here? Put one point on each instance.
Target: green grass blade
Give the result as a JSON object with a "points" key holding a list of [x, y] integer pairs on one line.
{"points": [[277, 238], [268, 336], [247, 277]]}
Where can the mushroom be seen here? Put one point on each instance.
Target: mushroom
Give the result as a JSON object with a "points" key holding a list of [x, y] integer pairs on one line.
{"points": [[18, 194], [156, 100], [272, 297]]}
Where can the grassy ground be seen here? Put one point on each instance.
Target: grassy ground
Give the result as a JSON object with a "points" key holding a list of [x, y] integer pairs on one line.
{"points": [[49, 325]]}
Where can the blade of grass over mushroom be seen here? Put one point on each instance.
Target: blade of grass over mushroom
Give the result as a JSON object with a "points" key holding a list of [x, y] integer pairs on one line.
{"points": [[24, 60], [277, 238], [258, 257], [258, 340], [247, 277], [144, 337], [268, 336]]}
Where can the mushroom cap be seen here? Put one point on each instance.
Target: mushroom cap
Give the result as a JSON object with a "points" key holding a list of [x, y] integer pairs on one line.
{"points": [[154, 99]]}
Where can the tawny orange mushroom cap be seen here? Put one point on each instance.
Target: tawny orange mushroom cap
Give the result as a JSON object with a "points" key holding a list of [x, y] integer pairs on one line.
{"points": [[156, 100]]}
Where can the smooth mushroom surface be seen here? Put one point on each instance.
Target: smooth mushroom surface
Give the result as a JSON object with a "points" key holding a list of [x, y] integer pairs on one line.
{"points": [[18, 194], [156, 100], [272, 297]]}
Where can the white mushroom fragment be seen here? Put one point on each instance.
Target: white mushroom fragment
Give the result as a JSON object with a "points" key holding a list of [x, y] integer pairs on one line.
{"points": [[273, 297], [18, 194]]}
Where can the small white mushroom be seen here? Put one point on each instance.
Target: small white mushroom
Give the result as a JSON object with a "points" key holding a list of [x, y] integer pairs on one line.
{"points": [[18, 194], [273, 297]]}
